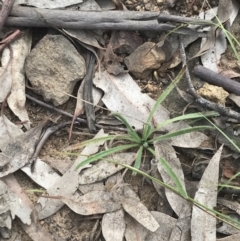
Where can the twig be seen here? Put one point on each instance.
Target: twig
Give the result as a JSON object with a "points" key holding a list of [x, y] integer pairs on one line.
{"points": [[49, 131], [104, 20], [10, 38], [87, 93], [199, 99], [217, 79], [6, 8], [80, 120]]}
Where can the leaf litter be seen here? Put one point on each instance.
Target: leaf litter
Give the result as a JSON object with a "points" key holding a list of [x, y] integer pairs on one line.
{"points": [[84, 190]]}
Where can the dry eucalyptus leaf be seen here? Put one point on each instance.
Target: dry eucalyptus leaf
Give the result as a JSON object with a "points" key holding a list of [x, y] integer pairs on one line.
{"points": [[144, 59], [113, 226], [89, 37], [111, 62], [68, 183], [206, 195], [235, 99], [134, 230], [235, 237], [233, 205], [35, 231], [94, 202], [166, 225], [123, 95], [18, 153], [9, 130], [216, 43], [103, 169], [16, 101], [181, 230], [5, 73], [228, 229], [42, 174], [164, 150], [97, 186], [97, 95], [87, 41], [12, 203], [133, 206]]}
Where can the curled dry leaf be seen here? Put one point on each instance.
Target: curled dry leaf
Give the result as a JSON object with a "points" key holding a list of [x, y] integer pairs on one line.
{"points": [[16, 101], [113, 225], [206, 195], [94, 202]]}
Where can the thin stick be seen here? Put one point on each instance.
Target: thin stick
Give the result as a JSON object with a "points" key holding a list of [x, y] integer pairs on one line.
{"points": [[105, 20], [80, 120], [217, 79], [199, 99], [6, 8]]}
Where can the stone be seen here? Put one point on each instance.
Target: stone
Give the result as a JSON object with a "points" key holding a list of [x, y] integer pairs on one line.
{"points": [[53, 67], [213, 93], [144, 59]]}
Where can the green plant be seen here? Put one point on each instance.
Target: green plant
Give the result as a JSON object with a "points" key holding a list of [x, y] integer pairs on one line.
{"points": [[144, 141]]}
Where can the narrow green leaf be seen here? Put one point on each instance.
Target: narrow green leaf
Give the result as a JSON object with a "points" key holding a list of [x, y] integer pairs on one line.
{"points": [[185, 117], [228, 181], [147, 129], [137, 162], [165, 94], [229, 139], [132, 132], [102, 154], [106, 138], [171, 174], [179, 133]]}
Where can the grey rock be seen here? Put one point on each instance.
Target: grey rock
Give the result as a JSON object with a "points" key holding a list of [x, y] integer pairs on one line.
{"points": [[53, 67], [144, 59]]}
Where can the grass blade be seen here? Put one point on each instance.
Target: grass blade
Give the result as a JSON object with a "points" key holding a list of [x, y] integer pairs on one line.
{"points": [[171, 174], [185, 117], [165, 94], [137, 162], [132, 132], [147, 129], [229, 139], [179, 133], [102, 154]]}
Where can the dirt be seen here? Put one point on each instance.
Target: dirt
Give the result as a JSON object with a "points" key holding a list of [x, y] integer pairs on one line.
{"points": [[65, 223]]}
